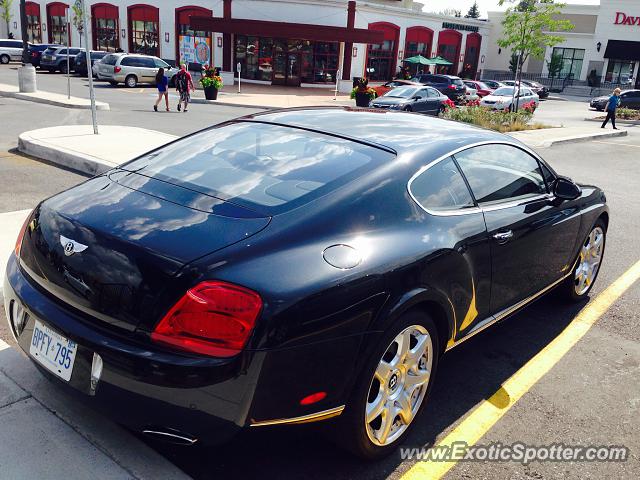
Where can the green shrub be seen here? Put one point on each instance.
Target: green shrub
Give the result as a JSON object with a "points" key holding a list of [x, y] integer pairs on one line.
{"points": [[628, 113], [499, 120]]}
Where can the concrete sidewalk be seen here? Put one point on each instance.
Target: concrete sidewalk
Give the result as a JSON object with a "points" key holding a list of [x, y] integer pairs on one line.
{"points": [[47, 434], [548, 137], [50, 98], [76, 147]]}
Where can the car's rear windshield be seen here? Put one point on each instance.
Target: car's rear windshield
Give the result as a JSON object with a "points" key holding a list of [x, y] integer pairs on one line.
{"points": [[110, 59], [456, 81], [269, 168], [504, 91]]}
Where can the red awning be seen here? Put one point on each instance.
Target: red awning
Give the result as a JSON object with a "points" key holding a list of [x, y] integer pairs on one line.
{"points": [[302, 31]]}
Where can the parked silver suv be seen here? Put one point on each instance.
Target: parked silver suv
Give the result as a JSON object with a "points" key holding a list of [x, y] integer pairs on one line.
{"points": [[132, 69], [10, 50]]}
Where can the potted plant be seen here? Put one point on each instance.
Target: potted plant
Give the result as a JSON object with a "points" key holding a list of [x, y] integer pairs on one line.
{"points": [[362, 93], [211, 83]]}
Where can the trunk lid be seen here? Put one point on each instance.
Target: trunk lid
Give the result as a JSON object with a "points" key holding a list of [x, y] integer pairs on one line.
{"points": [[112, 246]]}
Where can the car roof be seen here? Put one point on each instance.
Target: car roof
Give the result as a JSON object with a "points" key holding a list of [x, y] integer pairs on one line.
{"points": [[400, 132]]}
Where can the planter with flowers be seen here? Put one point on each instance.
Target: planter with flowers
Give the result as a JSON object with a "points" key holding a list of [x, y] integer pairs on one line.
{"points": [[362, 93], [211, 83]]}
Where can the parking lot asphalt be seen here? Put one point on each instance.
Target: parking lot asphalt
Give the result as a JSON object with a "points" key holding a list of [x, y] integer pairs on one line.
{"points": [[589, 397]]}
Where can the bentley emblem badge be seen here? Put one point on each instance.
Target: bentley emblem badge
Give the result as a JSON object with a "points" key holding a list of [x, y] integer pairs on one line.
{"points": [[71, 246]]}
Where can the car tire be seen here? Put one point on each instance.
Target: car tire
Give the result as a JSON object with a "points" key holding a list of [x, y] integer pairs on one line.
{"points": [[51, 70], [407, 109], [587, 265], [131, 81], [441, 110], [4, 59], [63, 67], [385, 386]]}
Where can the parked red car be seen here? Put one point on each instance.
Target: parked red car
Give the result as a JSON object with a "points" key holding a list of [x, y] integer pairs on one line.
{"points": [[482, 88], [384, 88]]}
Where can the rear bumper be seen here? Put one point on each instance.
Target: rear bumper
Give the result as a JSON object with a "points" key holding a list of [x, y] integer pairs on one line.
{"points": [[148, 388], [142, 389]]}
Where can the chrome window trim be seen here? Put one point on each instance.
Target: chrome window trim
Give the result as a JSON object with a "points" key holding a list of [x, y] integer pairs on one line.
{"points": [[478, 209]]}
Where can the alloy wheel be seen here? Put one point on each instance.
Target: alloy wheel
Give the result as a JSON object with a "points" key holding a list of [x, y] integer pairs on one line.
{"points": [[399, 385], [589, 261], [4, 59]]}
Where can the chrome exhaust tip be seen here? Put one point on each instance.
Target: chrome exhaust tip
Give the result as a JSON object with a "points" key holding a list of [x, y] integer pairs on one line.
{"points": [[169, 435]]}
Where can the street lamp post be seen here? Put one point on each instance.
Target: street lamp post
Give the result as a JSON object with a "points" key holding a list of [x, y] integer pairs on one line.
{"points": [[27, 72]]}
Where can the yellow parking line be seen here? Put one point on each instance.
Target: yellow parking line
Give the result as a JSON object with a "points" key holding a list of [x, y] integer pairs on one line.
{"points": [[480, 421]]}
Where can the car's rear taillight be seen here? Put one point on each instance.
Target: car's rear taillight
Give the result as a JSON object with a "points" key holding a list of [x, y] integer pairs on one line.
{"points": [[213, 318], [34, 54], [117, 69], [452, 87], [21, 236]]}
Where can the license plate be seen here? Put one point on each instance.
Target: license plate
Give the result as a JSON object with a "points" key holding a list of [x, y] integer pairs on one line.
{"points": [[53, 351]]}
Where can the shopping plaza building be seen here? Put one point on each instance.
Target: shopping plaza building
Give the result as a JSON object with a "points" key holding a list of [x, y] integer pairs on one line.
{"points": [[319, 42]]}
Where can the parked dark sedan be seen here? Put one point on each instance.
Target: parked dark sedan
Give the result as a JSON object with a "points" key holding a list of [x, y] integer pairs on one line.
{"points": [[539, 89], [413, 99], [628, 99], [293, 266], [450, 85]]}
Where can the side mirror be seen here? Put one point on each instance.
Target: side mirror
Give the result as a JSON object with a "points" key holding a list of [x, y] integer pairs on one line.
{"points": [[416, 98], [565, 189]]}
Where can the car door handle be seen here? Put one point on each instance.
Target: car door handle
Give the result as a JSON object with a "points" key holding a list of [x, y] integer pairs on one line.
{"points": [[503, 237]]}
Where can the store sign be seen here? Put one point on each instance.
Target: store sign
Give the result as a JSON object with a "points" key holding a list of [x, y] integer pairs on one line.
{"points": [[459, 26], [624, 19], [195, 49]]}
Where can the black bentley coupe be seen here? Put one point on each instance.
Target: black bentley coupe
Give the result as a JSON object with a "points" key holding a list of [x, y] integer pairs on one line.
{"points": [[293, 266]]}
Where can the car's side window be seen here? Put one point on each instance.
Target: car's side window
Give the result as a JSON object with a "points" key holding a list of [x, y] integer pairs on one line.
{"points": [[500, 172], [433, 93], [441, 188]]}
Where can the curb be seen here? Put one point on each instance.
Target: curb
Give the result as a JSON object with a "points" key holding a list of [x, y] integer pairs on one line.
{"points": [[63, 158], [29, 97], [230, 104], [589, 136], [622, 121]]}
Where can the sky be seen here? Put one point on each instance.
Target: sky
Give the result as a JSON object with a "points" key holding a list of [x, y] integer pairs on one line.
{"points": [[484, 5]]}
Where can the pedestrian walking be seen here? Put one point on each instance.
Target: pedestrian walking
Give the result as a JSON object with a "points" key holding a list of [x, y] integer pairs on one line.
{"points": [[184, 85], [162, 82], [612, 105]]}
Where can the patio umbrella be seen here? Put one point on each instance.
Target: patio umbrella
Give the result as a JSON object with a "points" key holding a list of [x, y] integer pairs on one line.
{"points": [[438, 61], [418, 59]]}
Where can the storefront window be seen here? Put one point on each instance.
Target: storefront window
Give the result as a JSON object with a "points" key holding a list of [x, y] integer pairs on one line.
{"points": [[571, 61], [325, 62], [57, 23], [105, 27], [620, 71], [418, 42], [194, 46], [312, 62], [143, 30], [34, 33], [381, 57]]}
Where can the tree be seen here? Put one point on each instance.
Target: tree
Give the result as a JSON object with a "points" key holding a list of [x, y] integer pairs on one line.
{"points": [[526, 30], [554, 65], [474, 11], [451, 12], [78, 18], [5, 12], [513, 63]]}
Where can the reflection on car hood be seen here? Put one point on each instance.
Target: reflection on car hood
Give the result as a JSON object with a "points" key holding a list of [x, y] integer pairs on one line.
{"points": [[497, 98], [387, 100], [600, 99]]}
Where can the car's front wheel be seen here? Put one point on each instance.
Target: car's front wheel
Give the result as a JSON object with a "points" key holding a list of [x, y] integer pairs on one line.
{"points": [[391, 391], [587, 267], [4, 59], [407, 109]]}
